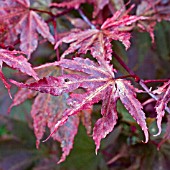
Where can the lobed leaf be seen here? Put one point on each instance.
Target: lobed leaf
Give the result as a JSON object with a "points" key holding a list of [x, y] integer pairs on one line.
{"points": [[156, 11], [114, 28], [28, 27], [99, 85], [17, 61], [25, 22]]}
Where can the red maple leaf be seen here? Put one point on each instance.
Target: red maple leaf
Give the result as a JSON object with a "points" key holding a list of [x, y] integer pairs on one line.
{"points": [[156, 11], [17, 61], [25, 22], [98, 41], [47, 110], [100, 86]]}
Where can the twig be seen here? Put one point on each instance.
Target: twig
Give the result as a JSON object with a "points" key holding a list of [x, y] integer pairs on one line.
{"points": [[155, 81], [142, 84], [137, 79], [86, 19], [42, 11], [58, 15]]}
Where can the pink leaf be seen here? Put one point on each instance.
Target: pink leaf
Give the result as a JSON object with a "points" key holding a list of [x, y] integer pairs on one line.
{"points": [[17, 61], [114, 28], [57, 86], [99, 85], [84, 65], [25, 22], [21, 96], [118, 27], [27, 28], [39, 113], [162, 103], [68, 83], [66, 134], [42, 27], [156, 11], [106, 124], [128, 98]]}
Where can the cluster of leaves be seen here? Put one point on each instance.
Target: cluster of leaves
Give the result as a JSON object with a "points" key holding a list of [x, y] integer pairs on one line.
{"points": [[73, 85]]}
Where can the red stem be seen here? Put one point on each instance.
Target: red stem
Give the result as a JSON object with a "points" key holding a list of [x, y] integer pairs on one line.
{"points": [[123, 77], [42, 11], [56, 38], [132, 74], [155, 81], [50, 13], [59, 14]]}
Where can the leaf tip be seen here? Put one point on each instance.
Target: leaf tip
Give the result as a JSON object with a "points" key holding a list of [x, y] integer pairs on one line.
{"points": [[45, 140], [9, 92], [37, 144], [146, 136], [60, 161], [159, 128], [96, 151]]}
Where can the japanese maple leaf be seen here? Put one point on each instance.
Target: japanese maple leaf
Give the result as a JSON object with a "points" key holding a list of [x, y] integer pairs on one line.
{"points": [[47, 110], [162, 102], [100, 86], [24, 22], [15, 60], [99, 40], [155, 11]]}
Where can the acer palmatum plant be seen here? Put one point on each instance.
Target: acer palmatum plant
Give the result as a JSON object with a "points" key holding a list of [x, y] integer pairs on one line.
{"points": [[82, 73]]}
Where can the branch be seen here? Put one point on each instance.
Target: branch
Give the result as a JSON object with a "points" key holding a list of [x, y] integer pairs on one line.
{"points": [[42, 11], [155, 81], [86, 19], [137, 79]]}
